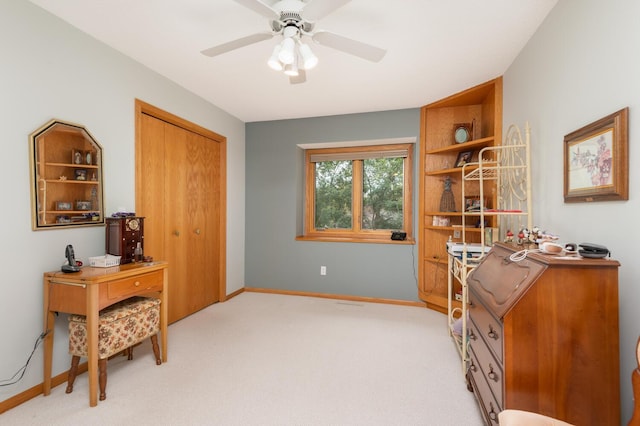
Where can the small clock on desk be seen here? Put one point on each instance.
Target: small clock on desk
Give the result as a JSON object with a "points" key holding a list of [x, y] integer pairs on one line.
{"points": [[462, 132], [123, 235]]}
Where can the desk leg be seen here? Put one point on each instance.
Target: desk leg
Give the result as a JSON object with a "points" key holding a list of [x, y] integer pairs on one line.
{"points": [[49, 325], [164, 312], [92, 343]]}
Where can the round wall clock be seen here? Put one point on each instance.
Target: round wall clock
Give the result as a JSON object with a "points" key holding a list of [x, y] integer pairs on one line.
{"points": [[462, 133]]}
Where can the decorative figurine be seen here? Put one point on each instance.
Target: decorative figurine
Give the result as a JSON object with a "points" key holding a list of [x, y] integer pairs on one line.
{"points": [[447, 201], [509, 236]]}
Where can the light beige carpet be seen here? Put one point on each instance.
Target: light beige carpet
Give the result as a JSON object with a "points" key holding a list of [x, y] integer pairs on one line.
{"points": [[265, 359]]}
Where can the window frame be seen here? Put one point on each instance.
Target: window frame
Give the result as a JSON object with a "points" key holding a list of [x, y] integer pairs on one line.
{"points": [[357, 234]]}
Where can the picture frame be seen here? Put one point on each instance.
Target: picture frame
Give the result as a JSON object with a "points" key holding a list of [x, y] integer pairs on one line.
{"points": [[88, 158], [63, 205], [80, 174], [596, 162], [463, 158], [473, 204], [77, 157], [83, 205]]}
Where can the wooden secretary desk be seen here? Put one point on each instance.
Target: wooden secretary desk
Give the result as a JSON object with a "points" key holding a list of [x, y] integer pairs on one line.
{"points": [[92, 289], [543, 336]]}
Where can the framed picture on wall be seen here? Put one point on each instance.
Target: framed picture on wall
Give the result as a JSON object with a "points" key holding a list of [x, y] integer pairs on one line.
{"points": [[596, 163]]}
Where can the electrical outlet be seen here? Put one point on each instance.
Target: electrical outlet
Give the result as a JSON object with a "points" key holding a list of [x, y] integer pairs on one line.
{"points": [[323, 270]]}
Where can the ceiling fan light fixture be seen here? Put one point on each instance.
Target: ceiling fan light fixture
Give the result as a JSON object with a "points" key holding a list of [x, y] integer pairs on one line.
{"points": [[287, 54], [309, 59], [274, 62], [291, 69]]}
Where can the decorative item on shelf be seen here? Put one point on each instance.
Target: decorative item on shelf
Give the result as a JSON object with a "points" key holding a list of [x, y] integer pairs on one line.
{"points": [[462, 132], [63, 205], [63, 177], [473, 204], [63, 219], [76, 157], [509, 236], [447, 200], [81, 174], [88, 158], [464, 157], [94, 199], [441, 221], [83, 205]]}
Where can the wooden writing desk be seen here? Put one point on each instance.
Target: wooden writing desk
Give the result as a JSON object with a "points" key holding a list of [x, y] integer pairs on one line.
{"points": [[92, 289]]}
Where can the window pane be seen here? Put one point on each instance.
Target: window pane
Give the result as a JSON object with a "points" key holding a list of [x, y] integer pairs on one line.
{"points": [[382, 204], [333, 195]]}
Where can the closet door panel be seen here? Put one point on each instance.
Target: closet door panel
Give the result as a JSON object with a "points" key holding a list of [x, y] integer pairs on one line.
{"points": [[207, 217], [177, 230], [151, 186]]}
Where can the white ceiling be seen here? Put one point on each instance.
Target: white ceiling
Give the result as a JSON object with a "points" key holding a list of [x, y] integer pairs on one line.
{"points": [[434, 48]]}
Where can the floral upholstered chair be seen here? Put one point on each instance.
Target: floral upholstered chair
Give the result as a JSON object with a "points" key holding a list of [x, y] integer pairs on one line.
{"points": [[121, 326]]}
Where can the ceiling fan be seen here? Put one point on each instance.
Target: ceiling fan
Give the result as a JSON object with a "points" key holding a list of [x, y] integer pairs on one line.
{"points": [[295, 19]]}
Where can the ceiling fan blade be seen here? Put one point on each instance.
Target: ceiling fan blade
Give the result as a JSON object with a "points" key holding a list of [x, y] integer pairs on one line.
{"points": [[300, 78], [260, 8], [347, 45], [318, 9], [236, 44]]}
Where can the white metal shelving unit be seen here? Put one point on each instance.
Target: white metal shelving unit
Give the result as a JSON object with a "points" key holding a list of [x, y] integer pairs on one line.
{"points": [[509, 166]]}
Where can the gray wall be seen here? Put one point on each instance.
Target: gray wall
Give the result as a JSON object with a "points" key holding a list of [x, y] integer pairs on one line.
{"points": [[275, 176], [52, 70], [581, 65]]}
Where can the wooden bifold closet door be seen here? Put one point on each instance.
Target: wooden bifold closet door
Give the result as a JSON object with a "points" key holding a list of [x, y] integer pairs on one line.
{"points": [[180, 181]]}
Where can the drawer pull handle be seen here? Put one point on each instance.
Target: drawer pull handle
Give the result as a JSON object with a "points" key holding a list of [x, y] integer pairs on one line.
{"points": [[176, 233], [472, 367], [472, 336], [492, 374], [492, 414], [137, 283], [492, 333], [197, 231]]}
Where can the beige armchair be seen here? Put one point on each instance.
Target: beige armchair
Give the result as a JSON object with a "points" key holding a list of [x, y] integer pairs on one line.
{"points": [[526, 418]]}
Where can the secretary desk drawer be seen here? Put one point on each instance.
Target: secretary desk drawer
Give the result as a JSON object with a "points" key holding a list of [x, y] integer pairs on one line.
{"points": [[135, 285], [488, 403], [488, 328], [487, 366]]}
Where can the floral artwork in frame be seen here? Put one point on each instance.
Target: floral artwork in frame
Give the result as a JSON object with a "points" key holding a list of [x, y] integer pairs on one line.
{"points": [[596, 164]]}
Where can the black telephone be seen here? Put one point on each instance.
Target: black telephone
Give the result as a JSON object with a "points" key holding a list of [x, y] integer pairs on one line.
{"points": [[594, 251], [71, 258]]}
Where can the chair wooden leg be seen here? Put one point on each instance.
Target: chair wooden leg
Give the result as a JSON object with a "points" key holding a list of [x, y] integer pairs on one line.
{"points": [[102, 378], [73, 372], [156, 349]]}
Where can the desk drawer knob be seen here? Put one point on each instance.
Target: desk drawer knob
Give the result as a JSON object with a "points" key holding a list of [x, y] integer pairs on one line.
{"points": [[137, 284], [492, 333]]}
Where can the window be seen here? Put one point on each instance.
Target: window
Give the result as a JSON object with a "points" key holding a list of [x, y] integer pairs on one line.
{"points": [[358, 194]]}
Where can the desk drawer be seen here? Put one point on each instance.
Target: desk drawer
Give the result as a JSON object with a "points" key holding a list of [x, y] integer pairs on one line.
{"points": [[487, 326], [490, 407], [487, 367], [128, 287]]}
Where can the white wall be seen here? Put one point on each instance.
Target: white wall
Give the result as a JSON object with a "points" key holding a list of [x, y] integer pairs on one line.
{"points": [[581, 65], [49, 69]]}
